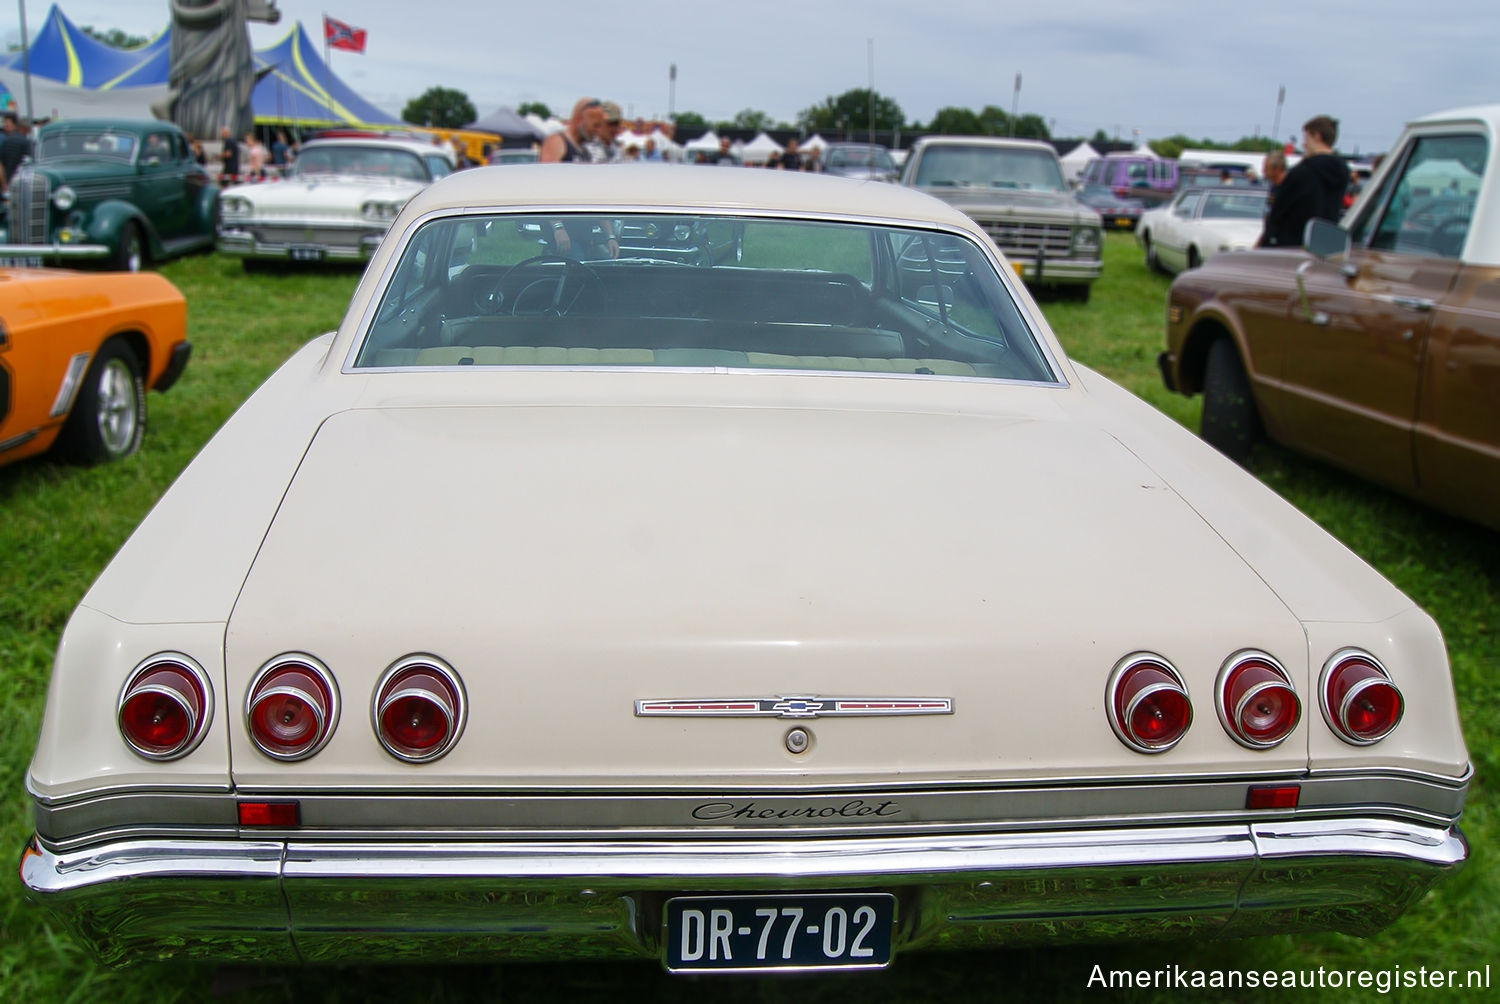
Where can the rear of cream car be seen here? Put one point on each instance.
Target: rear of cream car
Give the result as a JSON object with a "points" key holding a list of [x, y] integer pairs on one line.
{"points": [[598, 661]]}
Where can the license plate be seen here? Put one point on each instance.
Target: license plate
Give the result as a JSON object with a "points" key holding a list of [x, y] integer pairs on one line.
{"points": [[748, 933], [307, 254], [1120, 221]]}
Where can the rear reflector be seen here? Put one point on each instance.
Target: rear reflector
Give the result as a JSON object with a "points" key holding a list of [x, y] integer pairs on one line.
{"points": [[1282, 796], [280, 814]]}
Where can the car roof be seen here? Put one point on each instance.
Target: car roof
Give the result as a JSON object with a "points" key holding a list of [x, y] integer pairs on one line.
{"points": [[996, 141], [379, 142], [133, 125], [653, 186], [1487, 114]]}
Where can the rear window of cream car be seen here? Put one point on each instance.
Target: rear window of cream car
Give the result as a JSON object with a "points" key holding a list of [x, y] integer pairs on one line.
{"points": [[699, 291]]}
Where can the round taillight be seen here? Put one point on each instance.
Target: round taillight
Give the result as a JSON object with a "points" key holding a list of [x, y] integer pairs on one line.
{"points": [[418, 711], [165, 707], [1360, 703], [1256, 702], [1148, 704], [292, 707]]}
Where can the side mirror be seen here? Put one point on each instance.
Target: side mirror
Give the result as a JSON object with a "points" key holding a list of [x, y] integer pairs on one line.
{"points": [[1326, 239]]}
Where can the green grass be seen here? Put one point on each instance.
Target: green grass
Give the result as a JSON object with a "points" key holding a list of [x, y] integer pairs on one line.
{"points": [[62, 524]]}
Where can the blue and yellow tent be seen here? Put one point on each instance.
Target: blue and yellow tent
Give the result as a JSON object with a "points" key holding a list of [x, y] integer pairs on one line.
{"points": [[298, 87]]}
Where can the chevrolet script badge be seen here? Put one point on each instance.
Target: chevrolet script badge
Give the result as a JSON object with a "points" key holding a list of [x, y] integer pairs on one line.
{"points": [[793, 707]]}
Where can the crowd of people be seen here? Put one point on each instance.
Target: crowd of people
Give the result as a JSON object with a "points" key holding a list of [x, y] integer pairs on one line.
{"points": [[592, 137], [248, 159]]}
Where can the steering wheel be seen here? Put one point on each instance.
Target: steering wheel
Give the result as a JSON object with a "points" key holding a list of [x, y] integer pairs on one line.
{"points": [[1447, 238], [558, 304]]}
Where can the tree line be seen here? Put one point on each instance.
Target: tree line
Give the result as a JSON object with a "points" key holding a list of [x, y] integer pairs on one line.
{"points": [[851, 113]]}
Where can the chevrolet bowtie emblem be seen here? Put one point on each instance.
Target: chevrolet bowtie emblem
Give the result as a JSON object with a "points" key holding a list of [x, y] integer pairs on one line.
{"points": [[792, 707]]}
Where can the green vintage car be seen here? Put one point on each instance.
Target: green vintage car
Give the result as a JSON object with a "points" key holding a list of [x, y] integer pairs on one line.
{"points": [[121, 193]]}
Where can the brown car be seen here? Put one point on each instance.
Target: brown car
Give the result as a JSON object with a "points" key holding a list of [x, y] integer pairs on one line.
{"points": [[1378, 347]]}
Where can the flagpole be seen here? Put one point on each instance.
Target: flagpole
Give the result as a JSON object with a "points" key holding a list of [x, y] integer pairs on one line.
{"points": [[26, 65], [327, 65]]}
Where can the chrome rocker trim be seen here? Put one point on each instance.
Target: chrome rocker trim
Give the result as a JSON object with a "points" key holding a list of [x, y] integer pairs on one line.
{"points": [[55, 250], [274, 901]]}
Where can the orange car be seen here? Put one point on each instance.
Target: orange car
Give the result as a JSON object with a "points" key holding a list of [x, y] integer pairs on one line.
{"points": [[77, 352]]}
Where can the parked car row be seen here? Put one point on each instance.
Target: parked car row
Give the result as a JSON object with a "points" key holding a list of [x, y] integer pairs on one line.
{"points": [[1404, 293]]}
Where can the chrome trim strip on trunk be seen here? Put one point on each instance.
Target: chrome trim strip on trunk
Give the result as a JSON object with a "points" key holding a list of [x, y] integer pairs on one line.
{"points": [[373, 900], [436, 813]]}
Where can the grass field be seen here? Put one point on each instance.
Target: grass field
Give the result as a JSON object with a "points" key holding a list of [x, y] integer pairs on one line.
{"points": [[62, 524]]}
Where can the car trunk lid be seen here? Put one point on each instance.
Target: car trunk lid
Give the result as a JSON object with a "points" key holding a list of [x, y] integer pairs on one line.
{"points": [[569, 562]]}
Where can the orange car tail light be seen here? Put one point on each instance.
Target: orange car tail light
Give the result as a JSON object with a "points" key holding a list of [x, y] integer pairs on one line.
{"points": [[418, 710], [1360, 703], [1256, 702], [292, 707], [1148, 704], [165, 707]]}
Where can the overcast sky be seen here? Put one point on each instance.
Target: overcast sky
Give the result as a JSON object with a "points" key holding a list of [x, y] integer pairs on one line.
{"points": [[1139, 68]]}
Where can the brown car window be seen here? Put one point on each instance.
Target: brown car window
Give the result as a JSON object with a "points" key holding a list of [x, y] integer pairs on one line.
{"points": [[1424, 206]]}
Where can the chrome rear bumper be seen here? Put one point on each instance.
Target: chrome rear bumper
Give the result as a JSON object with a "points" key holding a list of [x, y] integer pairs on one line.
{"points": [[275, 901]]}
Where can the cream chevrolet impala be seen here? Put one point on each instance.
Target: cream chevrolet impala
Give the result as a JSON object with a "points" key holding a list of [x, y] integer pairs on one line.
{"points": [[792, 611]]}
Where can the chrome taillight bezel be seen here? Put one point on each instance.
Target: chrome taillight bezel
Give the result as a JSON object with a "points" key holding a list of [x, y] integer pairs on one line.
{"points": [[1229, 717], [329, 715], [197, 729], [1119, 715], [1334, 717], [389, 688]]}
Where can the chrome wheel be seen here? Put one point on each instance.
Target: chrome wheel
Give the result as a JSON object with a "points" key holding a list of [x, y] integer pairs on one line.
{"points": [[115, 408], [108, 420]]}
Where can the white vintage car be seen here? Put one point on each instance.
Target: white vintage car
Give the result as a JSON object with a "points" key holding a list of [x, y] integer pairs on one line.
{"points": [[786, 611], [334, 204], [1198, 223]]}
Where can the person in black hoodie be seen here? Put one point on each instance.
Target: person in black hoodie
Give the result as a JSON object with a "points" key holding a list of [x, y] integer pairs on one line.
{"points": [[1312, 189]]}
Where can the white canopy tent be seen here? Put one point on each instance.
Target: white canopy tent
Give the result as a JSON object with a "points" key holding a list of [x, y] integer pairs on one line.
{"points": [[759, 149], [52, 100], [547, 126], [670, 149], [1077, 159]]}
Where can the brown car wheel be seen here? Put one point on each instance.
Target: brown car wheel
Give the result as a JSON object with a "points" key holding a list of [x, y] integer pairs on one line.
{"points": [[1230, 421], [108, 419]]}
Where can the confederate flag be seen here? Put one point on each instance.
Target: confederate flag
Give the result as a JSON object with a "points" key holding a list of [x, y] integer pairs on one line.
{"points": [[340, 35]]}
